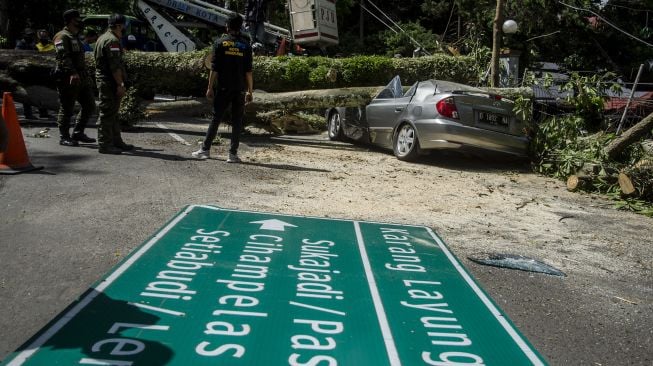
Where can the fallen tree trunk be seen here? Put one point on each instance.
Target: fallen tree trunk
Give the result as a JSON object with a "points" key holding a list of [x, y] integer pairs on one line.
{"points": [[274, 111], [632, 135], [28, 67], [313, 99], [288, 101]]}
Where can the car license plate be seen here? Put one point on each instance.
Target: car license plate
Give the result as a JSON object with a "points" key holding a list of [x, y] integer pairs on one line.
{"points": [[493, 119]]}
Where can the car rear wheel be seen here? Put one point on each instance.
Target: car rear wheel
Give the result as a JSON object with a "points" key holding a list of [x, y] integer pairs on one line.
{"points": [[334, 126], [405, 143]]}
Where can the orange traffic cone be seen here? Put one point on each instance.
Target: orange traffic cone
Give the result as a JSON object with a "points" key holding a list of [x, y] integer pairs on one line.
{"points": [[13, 153]]}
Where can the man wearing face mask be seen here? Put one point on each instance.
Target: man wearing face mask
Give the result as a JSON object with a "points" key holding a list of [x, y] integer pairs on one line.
{"points": [[110, 77], [73, 81]]}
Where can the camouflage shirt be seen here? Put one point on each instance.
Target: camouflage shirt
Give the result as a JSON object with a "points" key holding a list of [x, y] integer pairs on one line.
{"points": [[108, 57], [70, 54]]}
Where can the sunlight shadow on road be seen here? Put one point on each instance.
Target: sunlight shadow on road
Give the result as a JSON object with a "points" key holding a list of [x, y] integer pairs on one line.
{"points": [[286, 167]]}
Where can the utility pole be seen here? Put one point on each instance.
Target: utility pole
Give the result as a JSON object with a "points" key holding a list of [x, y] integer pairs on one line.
{"points": [[497, 33], [361, 34]]}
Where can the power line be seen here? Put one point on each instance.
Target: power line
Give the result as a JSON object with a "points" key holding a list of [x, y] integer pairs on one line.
{"points": [[607, 22], [396, 25], [379, 19]]}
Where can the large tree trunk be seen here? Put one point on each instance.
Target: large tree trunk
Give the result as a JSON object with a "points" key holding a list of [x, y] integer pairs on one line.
{"points": [[313, 99], [629, 137], [285, 102]]}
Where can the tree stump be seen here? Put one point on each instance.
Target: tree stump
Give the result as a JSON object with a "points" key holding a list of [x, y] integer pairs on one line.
{"points": [[626, 185]]}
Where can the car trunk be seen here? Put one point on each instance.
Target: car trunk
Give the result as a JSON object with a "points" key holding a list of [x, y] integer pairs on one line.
{"points": [[487, 112]]}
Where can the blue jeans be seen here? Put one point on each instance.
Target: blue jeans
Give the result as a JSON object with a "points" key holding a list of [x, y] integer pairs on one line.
{"points": [[221, 100]]}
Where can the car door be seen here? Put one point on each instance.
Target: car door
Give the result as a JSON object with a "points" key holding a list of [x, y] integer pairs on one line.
{"points": [[384, 112]]}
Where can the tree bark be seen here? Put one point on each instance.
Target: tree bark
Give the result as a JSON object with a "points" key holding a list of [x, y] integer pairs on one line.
{"points": [[288, 102], [629, 137], [313, 99], [497, 33]]}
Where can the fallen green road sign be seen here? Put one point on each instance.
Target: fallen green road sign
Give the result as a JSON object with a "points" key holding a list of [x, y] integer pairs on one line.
{"points": [[225, 287]]}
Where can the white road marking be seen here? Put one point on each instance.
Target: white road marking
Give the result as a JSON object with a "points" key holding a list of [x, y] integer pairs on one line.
{"points": [[390, 346], [23, 356], [172, 134], [488, 303]]}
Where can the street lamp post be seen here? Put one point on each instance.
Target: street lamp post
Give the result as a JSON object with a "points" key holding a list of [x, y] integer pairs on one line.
{"points": [[497, 33], [499, 28]]}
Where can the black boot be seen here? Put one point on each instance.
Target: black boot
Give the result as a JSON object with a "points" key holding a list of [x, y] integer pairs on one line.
{"points": [[123, 146], [81, 137], [67, 141], [109, 150]]}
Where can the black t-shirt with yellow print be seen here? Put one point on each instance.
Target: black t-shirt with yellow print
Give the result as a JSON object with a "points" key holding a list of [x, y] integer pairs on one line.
{"points": [[232, 58]]}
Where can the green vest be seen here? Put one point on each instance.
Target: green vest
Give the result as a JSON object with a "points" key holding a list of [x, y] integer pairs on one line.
{"points": [[108, 56], [70, 54]]}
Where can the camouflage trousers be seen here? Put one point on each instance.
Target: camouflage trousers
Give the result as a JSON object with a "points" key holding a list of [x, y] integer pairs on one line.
{"points": [[68, 95], [108, 123]]}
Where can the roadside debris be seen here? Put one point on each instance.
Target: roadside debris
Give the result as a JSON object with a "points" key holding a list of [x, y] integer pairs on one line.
{"points": [[625, 300], [512, 261], [43, 134]]}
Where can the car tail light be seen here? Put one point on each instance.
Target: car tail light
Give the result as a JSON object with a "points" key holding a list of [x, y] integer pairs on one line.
{"points": [[497, 97], [447, 108]]}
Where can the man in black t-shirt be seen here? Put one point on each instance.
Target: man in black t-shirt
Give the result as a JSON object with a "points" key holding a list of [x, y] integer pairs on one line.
{"points": [[231, 67]]}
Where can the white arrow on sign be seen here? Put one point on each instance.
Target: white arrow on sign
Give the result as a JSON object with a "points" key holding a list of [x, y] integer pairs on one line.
{"points": [[273, 224]]}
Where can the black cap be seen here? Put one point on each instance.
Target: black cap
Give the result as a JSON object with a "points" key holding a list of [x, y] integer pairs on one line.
{"points": [[235, 22], [117, 19], [70, 14]]}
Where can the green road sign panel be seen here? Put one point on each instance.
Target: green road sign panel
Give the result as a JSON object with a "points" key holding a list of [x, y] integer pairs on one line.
{"points": [[225, 287]]}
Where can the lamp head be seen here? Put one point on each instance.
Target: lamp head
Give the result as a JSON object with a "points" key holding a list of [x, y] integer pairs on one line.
{"points": [[510, 27]]}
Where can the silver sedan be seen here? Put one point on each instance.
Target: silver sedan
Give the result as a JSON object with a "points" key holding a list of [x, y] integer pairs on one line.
{"points": [[431, 114]]}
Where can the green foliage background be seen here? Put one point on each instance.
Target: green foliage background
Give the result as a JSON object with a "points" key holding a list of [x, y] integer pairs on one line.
{"points": [[186, 74]]}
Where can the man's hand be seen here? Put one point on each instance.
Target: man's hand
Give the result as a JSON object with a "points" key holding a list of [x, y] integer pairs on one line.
{"points": [[248, 98], [74, 79], [209, 93]]}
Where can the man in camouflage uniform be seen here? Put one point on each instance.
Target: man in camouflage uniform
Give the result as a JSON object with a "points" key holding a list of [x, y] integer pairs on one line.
{"points": [[73, 81], [110, 77]]}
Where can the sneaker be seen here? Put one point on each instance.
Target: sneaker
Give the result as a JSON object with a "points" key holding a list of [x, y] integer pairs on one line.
{"points": [[110, 150], [67, 141], [201, 154], [81, 137], [233, 158]]}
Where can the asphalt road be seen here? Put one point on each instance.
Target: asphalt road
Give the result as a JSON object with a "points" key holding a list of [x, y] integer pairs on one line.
{"points": [[62, 228]]}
